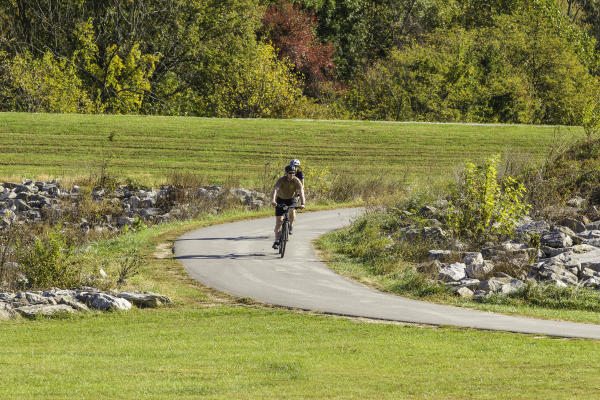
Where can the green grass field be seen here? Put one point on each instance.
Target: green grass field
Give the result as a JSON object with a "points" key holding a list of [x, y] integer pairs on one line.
{"points": [[250, 353], [149, 148]]}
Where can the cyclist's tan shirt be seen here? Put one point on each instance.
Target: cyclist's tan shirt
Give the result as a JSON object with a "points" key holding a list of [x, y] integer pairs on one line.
{"points": [[287, 189]]}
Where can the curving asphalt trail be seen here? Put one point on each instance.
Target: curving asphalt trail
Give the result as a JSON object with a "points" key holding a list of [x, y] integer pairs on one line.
{"points": [[237, 258]]}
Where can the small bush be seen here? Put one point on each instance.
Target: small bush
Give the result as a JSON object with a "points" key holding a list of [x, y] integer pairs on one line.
{"points": [[93, 211], [8, 272], [50, 261], [483, 207], [129, 266]]}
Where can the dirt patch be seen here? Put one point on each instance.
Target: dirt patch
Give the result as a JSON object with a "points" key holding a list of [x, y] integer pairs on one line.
{"points": [[163, 251]]}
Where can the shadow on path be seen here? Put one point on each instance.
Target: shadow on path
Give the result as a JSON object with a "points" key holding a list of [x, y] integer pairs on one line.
{"points": [[220, 256], [228, 238]]}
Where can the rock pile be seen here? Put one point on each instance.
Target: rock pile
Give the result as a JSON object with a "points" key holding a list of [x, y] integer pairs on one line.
{"points": [[568, 254], [55, 301], [36, 201]]}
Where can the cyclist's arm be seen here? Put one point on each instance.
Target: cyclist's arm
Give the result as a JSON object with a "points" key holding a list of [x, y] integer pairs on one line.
{"points": [[302, 195], [274, 193]]}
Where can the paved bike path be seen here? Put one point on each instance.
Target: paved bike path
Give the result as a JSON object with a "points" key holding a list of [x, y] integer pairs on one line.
{"points": [[237, 258]]}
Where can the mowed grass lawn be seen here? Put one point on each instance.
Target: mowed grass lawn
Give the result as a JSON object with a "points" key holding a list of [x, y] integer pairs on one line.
{"points": [[252, 353], [150, 148]]}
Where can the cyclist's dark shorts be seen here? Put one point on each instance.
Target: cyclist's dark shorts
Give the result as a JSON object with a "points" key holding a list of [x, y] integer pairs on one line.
{"points": [[288, 202]]}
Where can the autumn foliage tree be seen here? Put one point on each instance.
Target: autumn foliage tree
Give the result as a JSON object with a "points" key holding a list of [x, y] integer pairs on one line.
{"points": [[291, 30]]}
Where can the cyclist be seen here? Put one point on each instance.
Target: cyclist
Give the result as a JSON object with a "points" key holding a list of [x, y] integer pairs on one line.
{"points": [[299, 174], [285, 192]]}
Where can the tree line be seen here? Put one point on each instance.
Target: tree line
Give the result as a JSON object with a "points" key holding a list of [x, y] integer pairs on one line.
{"points": [[517, 61]]}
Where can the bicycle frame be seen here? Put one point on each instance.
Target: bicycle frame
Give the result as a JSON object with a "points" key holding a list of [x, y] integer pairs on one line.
{"points": [[285, 228]]}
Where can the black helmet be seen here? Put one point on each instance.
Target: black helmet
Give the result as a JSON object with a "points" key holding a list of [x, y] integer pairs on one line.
{"points": [[290, 168]]}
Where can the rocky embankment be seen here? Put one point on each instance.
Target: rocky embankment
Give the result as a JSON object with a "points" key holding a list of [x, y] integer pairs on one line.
{"points": [[58, 301], [565, 254], [37, 201]]}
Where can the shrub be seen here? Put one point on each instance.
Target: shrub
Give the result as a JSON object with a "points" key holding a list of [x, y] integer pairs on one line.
{"points": [[8, 237], [483, 207], [129, 266], [50, 261]]}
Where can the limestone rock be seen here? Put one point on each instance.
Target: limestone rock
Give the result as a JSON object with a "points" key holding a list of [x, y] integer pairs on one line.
{"points": [[441, 255], [512, 286], [491, 285], [464, 292], [453, 272], [470, 283], [556, 239], [557, 274], [573, 224], [44, 310], [6, 311], [473, 258], [576, 202], [145, 299], [103, 301], [479, 271]]}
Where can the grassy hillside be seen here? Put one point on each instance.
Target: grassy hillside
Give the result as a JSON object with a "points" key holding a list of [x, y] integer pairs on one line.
{"points": [[149, 149]]}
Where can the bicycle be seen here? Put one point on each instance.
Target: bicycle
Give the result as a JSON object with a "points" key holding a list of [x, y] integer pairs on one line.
{"points": [[285, 228]]}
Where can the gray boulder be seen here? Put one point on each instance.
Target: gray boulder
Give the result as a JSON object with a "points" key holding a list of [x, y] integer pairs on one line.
{"points": [[433, 234], [512, 286], [592, 283], [73, 303], [464, 292], [32, 298], [556, 239], [103, 301], [6, 311], [577, 249], [589, 259], [441, 255], [479, 271], [6, 297], [470, 283], [530, 227], [491, 285], [473, 258], [145, 299], [453, 272], [593, 226], [573, 224], [44, 310], [557, 274]]}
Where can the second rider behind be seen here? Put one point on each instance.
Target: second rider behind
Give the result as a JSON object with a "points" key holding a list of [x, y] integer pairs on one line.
{"points": [[299, 174], [286, 192]]}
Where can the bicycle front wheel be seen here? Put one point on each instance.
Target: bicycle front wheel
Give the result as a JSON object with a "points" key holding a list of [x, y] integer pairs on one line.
{"points": [[282, 247], [283, 238]]}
